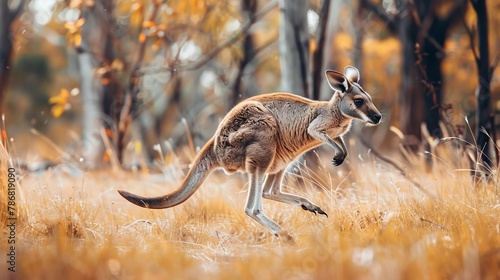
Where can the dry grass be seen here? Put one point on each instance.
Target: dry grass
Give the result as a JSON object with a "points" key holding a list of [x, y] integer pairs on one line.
{"points": [[379, 227]]}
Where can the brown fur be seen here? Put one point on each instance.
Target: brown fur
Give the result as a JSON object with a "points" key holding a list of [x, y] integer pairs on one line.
{"points": [[262, 135]]}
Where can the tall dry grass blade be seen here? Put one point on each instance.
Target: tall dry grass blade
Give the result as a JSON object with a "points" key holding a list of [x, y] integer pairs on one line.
{"points": [[113, 157], [189, 137], [397, 167], [51, 144]]}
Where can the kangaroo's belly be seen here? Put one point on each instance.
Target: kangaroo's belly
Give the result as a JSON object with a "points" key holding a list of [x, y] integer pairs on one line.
{"points": [[285, 154]]}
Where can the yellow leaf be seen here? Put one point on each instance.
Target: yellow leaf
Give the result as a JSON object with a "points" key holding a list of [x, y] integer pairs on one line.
{"points": [[162, 26], [148, 24], [61, 98], [54, 100], [182, 7], [60, 103], [137, 146], [4, 134], [312, 45], [136, 14], [90, 3], [142, 37], [77, 39], [101, 70], [156, 45], [105, 81], [75, 3], [109, 132], [124, 7], [117, 65], [69, 25], [80, 22], [57, 111], [106, 156], [136, 6]]}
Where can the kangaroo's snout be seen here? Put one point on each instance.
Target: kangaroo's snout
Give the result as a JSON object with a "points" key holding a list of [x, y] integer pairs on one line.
{"points": [[375, 118]]}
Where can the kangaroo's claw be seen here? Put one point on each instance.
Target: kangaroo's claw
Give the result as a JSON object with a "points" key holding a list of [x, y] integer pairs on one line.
{"points": [[336, 161], [322, 212], [315, 209]]}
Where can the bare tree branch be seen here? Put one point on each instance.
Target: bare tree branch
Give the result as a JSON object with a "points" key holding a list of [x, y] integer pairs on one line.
{"points": [[494, 65], [427, 23], [125, 117], [214, 52], [389, 19], [425, 80], [472, 43], [15, 12]]}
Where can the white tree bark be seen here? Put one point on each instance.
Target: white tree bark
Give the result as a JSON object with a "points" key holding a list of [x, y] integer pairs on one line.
{"points": [[294, 47], [332, 29], [90, 56], [91, 91]]}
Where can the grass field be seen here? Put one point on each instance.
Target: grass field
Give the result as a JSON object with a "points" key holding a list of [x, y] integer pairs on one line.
{"points": [[380, 226]]}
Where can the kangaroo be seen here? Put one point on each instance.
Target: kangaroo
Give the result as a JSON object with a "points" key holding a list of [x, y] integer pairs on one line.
{"points": [[263, 134]]}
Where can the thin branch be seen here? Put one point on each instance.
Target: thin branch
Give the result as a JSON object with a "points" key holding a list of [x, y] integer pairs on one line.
{"points": [[494, 139], [472, 36], [265, 45], [425, 80], [494, 65], [389, 19], [215, 51], [434, 224], [15, 12], [130, 95], [424, 27]]}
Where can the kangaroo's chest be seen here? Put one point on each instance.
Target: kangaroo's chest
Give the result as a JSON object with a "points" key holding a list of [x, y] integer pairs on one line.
{"points": [[338, 129]]}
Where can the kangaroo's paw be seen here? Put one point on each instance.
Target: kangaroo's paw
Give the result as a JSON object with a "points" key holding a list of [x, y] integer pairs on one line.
{"points": [[338, 159], [285, 237], [313, 208]]}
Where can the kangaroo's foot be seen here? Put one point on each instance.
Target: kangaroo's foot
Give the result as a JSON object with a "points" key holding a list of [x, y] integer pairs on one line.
{"points": [[313, 208]]}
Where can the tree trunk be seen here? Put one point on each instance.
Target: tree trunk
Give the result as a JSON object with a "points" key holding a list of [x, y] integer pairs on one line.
{"points": [[319, 52], [413, 109], [333, 25], [483, 123], [294, 47], [422, 34], [244, 84], [95, 50], [7, 16], [358, 28]]}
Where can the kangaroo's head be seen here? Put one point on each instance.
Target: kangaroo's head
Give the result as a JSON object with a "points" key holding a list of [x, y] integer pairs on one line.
{"points": [[355, 102]]}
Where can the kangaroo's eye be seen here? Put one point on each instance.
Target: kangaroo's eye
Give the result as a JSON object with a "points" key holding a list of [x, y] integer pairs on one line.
{"points": [[358, 102]]}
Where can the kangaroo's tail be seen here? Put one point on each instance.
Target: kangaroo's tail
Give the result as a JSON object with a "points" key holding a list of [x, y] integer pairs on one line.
{"points": [[203, 164]]}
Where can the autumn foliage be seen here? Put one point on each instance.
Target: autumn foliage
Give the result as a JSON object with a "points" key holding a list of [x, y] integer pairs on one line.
{"points": [[164, 73]]}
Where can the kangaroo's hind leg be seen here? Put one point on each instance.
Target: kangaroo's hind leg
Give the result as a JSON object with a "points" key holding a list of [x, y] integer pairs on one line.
{"points": [[253, 207], [259, 156], [272, 190]]}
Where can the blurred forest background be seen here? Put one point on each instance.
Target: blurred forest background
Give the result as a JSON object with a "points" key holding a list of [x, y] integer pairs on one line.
{"points": [[110, 82]]}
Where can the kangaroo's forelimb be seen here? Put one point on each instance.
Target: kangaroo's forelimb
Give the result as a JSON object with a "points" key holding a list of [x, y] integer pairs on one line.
{"points": [[318, 132]]}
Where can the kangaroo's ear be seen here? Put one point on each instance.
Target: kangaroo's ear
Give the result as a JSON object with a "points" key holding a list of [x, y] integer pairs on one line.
{"points": [[352, 74], [337, 81]]}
